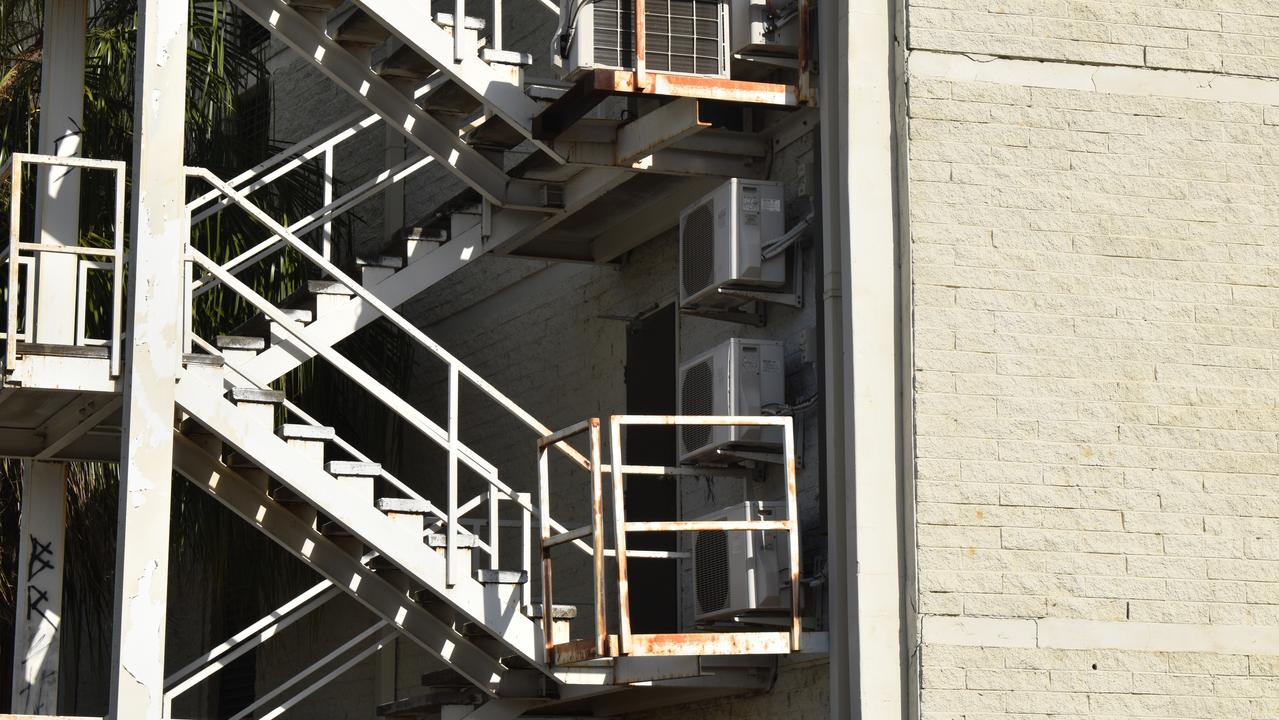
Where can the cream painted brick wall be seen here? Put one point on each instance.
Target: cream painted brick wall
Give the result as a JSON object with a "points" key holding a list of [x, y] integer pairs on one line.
{"points": [[970, 682], [1229, 36], [1095, 294]]}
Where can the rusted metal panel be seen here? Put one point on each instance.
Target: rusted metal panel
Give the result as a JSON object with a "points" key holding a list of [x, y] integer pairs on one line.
{"points": [[720, 643], [701, 525], [695, 86], [574, 651]]}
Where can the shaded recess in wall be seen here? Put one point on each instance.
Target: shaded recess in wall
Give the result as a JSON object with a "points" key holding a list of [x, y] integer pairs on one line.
{"points": [[650, 390]]}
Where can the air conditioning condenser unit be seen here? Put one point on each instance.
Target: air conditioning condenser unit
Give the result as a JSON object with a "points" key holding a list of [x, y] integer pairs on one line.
{"points": [[721, 240], [738, 377], [739, 572]]}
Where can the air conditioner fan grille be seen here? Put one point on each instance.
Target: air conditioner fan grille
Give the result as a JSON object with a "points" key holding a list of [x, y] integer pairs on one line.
{"points": [[710, 547], [697, 398], [697, 249]]}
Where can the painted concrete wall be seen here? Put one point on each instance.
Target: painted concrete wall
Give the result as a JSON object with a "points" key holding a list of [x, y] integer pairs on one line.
{"points": [[1094, 306]]}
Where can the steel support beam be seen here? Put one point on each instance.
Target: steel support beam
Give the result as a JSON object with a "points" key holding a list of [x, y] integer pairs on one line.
{"points": [[38, 618], [159, 230], [862, 332], [58, 195]]}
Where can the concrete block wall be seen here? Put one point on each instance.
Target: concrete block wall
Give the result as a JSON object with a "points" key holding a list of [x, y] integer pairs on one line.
{"points": [[1239, 37], [1094, 300]]}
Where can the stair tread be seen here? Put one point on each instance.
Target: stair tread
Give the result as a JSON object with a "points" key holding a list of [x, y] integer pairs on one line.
{"points": [[328, 287], [255, 395], [353, 468], [299, 431], [501, 577], [440, 540], [385, 261], [558, 612], [405, 506], [287, 496], [470, 23], [239, 342], [202, 359]]}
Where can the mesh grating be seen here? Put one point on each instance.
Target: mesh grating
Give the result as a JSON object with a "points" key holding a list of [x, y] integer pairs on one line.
{"points": [[697, 250], [614, 33], [710, 547], [697, 398]]}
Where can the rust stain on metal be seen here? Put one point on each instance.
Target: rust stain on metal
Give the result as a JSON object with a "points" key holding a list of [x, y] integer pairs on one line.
{"points": [[709, 643], [671, 85]]}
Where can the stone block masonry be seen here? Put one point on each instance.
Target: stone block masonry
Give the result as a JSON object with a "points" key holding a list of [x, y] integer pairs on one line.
{"points": [[1094, 298]]}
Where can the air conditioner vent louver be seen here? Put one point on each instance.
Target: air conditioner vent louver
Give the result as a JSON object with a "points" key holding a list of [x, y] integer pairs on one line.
{"points": [[684, 36], [614, 39], [697, 249], [697, 397], [711, 548]]}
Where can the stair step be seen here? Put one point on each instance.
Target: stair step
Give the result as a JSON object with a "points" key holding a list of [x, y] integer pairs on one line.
{"points": [[298, 431], [202, 359], [440, 540], [260, 325], [506, 57], [546, 91], [558, 612], [383, 261], [428, 702], [240, 342], [358, 28], [330, 528], [501, 577], [328, 287], [351, 468], [405, 506], [470, 23], [255, 395]]}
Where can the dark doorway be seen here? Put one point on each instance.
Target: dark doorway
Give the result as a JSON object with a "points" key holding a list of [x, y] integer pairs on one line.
{"points": [[650, 390]]}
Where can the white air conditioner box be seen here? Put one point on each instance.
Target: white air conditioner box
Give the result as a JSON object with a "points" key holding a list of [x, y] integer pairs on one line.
{"points": [[761, 27], [739, 377], [720, 241], [739, 572], [688, 37]]}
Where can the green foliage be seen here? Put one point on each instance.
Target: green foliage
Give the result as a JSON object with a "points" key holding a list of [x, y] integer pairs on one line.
{"points": [[228, 111]]}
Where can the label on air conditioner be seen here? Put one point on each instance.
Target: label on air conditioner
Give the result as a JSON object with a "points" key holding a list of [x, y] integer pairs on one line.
{"points": [[772, 205], [750, 203]]}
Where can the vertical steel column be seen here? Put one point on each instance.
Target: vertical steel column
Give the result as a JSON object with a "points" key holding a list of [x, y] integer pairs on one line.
{"points": [[155, 329], [58, 188], [450, 530], [861, 240], [39, 613], [619, 537], [597, 538], [544, 533]]}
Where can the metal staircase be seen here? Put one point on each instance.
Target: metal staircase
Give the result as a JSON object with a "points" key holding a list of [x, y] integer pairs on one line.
{"points": [[415, 562]]}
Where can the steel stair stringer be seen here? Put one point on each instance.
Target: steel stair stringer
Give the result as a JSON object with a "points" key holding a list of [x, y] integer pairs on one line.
{"points": [[343, 569], [398, 109], [469, 598]]}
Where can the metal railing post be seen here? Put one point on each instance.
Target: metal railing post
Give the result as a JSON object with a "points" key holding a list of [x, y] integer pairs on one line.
{"points": [[326, 232], [450, 530], [792, 533], [494, 519], [597, 538], [544, 530], [619, 537], [15, 236], [526, 548], [459, 23]]}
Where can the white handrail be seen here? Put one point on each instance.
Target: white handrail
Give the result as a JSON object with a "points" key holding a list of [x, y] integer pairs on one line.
{"points": [[383, 309]]}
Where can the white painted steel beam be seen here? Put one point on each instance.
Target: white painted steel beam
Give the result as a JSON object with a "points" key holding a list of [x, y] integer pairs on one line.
{"points": [[344, 570], [864, 375], [399, 110], [58, 188], [38, 617], [159, 228]]}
